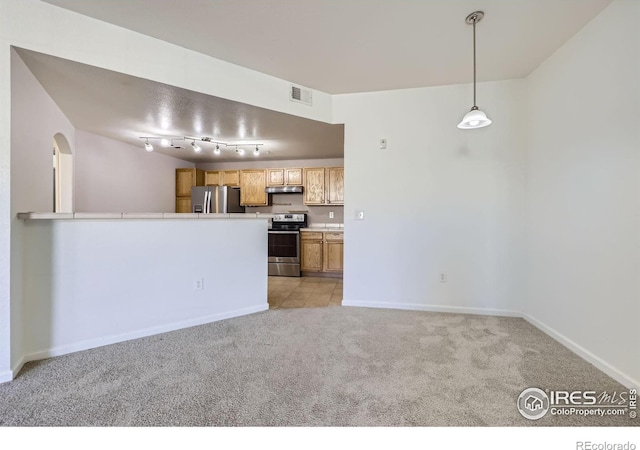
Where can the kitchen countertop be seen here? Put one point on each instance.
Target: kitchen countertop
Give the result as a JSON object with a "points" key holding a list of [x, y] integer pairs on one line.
{"points": [[152, 216], [324, 227]]}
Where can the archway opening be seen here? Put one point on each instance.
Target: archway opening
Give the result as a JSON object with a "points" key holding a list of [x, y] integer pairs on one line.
{"points": [[62, 174]]}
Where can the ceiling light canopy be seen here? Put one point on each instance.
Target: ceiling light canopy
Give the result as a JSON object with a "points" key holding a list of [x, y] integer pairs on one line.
{"points": [[474, 118]]}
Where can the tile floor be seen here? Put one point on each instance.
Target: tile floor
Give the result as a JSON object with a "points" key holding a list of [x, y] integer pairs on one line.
{"points": [[304, 292]]}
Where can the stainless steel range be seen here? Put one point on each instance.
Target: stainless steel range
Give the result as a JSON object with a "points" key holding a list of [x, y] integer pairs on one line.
{"points": [[284, 244]]}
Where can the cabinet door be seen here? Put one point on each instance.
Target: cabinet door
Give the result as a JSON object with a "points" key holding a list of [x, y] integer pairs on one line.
{"points": [[335, 185], [310, 254], [314, 183], [252, 185], [333, 251], [212, 178], [275, 177], [230, 177], [185, 178], [183, 204], [293, 177]]}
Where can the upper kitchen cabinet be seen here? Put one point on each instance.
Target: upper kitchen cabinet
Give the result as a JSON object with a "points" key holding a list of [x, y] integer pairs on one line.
{"points": [[293, 176], [252, 187], [230, 178], [284, 177], [314, 186], [212, 178], [275, 177], [335, 185], [324, 186], [186, 179]]}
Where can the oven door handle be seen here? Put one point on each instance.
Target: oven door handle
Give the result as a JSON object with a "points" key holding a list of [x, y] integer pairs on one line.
{"points": [[283, 232]]}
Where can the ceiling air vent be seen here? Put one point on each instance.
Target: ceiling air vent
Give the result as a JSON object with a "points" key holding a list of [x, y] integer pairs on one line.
{"points": [[301, 95]]}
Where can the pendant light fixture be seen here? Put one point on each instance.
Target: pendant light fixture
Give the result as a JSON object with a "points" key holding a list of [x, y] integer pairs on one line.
{"points": [[474, 118]]}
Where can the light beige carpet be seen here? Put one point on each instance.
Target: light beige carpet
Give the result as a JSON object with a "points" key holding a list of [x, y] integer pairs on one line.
{"points": [[316, 367]]}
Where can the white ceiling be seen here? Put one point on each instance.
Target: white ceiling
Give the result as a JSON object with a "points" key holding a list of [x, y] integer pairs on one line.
{"points": [[332, 46], [125, 108], [358, 45]]}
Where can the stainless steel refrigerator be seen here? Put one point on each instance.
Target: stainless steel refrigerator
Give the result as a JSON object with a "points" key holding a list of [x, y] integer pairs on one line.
{"points": [[216, 199]]}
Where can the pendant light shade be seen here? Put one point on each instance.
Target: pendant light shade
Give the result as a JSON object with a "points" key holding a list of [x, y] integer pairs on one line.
{"points": [[474, 118]]}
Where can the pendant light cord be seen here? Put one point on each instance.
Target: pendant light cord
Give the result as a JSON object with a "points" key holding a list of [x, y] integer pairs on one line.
{"points": [[474, 63]]}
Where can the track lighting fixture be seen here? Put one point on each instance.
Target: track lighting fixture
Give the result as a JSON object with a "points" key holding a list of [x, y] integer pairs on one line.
{"points": [[474, 118], [168, 141]]}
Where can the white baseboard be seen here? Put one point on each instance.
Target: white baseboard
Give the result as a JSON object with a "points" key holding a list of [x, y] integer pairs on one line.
{"points": [[108, 340], [585, 354], [432, 308], [601, 364]]}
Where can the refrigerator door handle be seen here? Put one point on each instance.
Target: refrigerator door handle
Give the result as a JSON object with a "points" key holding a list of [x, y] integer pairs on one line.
{"points": [[206, 201]]}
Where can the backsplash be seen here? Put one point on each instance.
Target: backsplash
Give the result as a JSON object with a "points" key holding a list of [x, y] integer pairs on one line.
{"points": [[284, 203]]}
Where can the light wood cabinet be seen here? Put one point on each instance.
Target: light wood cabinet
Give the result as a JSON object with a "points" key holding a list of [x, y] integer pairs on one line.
{"points": [[212, 178], [275, 177], [293, 176], [333, 251], [314, 186], [230, 178], [321, 252], [310, 252], [252, 187], [185, 180], [335, 185], [183, 204], [324, 186]]}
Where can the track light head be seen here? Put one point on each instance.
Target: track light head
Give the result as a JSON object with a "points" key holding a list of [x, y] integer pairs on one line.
{"points": [[256, 152], [147, 146], [216, 151], [196, 147]]}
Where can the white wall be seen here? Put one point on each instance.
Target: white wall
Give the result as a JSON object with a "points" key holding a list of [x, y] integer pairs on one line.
{"points": [[438, 199], [583, 173], [35, 120], [112, 176], [94, 282], [45, 28]]}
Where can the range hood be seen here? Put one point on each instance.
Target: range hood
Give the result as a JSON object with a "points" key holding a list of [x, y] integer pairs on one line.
{"points": [[284, 190]]}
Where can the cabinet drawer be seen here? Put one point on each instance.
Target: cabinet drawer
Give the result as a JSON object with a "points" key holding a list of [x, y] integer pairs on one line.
{"points": [[310, 235], [334, 236]]}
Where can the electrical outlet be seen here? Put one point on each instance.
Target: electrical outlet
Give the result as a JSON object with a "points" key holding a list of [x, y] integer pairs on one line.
{"points": [[330, 214], [443, 278], [360, 215], [198, 284]]}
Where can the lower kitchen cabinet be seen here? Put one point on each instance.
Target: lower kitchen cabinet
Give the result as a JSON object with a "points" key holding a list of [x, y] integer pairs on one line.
{"points": [[311, 251], [333, 251], [321, 252]]}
